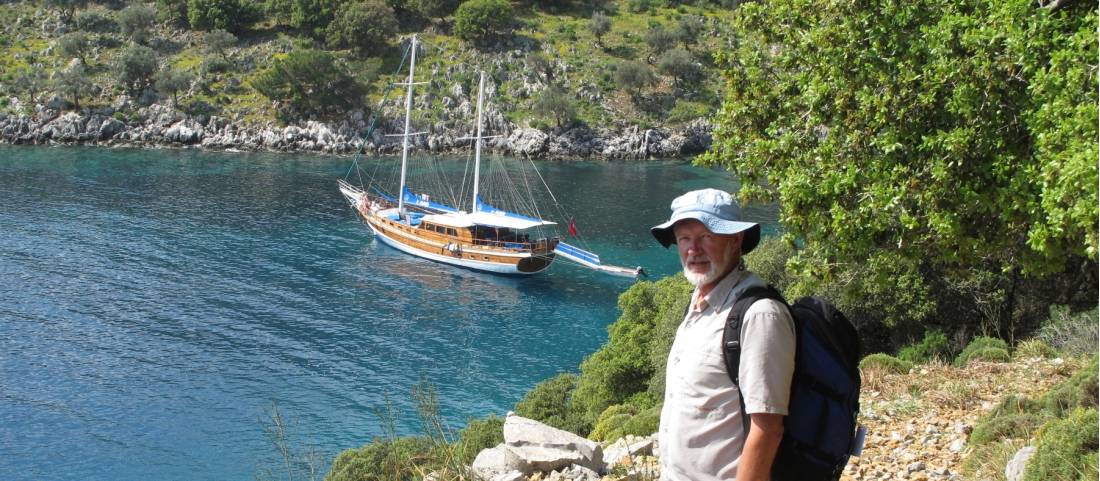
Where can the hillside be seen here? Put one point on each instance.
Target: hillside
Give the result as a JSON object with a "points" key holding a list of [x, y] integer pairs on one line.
{"points": [[548, 72]]}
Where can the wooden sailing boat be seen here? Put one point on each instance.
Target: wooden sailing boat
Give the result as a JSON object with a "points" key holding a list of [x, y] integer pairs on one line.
{"points": [[484, 238]]}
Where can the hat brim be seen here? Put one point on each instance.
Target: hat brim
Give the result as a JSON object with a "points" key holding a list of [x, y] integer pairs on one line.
{"points": [[665, 235]]}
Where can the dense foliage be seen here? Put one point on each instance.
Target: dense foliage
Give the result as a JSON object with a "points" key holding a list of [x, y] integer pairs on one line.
{"points": [[483, 20], [231, 15], [136, 22], [135, 67], [364, 26], [948, 146], [309, 82]]}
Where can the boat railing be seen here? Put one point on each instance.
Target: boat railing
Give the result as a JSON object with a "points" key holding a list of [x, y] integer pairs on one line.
{"points": [[540, 244]]}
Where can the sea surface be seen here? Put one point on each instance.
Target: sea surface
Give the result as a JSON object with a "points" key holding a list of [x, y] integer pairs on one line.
{"points": [[156, 304]]}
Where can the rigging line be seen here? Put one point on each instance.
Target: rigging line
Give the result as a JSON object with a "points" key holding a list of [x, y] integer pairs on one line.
{"points": [[375, 116]]}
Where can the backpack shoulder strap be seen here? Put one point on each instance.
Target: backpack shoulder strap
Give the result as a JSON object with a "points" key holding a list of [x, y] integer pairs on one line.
{"points": [[731, 335]]}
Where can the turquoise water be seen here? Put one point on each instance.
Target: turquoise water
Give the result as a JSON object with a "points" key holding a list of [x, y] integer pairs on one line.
{"points": [[154, 303]]}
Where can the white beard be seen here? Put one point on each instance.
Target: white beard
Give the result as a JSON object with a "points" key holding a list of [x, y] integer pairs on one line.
{"points": [[713, 273]]}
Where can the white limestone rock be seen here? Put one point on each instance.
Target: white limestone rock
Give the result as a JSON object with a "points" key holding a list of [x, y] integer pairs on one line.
{"points": [[1014, 470], [497, 461], [547, 448]]}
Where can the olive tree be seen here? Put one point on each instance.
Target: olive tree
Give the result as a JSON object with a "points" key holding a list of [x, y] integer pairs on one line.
{"points": [[678, 64], [218, 42], [555, 103], [170, 81], [75, 45], [599, 25], [634, 76], [73, 83], [136, 22], [135, 67]]}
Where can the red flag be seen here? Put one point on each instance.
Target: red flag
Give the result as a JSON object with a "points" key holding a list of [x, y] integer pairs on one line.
{"points": [[572, 228]]}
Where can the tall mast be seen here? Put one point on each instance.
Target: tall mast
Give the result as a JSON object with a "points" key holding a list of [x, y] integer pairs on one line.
{"points": [[405, 138], [477, 142]]}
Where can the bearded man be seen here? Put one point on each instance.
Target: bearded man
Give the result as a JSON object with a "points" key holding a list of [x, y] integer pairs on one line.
{"points": [[702, 435]]}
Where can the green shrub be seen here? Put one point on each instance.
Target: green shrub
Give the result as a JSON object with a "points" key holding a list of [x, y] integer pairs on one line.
{"points": [[686, 111], [364, 26], [482, 20], [642, 424], [885, 363], [988, 354], [934, 345], [479, 434], [1069, 332], [1009, 426], [309, 82], [612, 420], [1079, 391], [1014, 404], [549, 402], [984, 344], [383, 459], [230, 15], [1066, 449], [93, 21], [214, 65], [136, 22], [1033, 348], [434, 8], [172, 11]]}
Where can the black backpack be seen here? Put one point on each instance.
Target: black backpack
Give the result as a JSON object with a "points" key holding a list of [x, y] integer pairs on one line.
{"points": [[820, 431]]}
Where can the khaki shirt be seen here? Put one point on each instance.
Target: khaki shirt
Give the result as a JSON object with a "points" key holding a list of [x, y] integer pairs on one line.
{"points": [[701, 434]]}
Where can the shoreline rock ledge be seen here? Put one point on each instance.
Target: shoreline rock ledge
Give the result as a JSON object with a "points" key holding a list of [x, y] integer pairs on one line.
{"points": [[162, 126]]}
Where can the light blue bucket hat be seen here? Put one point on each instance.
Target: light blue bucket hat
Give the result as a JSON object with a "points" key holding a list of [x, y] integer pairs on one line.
{"points": [[717, 210]]}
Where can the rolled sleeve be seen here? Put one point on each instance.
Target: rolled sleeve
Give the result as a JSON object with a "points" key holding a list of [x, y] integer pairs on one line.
{"points": [[767, 358]]}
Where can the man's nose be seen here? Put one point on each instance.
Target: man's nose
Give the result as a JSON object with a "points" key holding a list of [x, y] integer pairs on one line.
{"points": [[692, 247]]}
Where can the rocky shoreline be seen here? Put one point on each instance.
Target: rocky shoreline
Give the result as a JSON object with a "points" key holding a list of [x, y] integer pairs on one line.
{"points": [[162, 126]]}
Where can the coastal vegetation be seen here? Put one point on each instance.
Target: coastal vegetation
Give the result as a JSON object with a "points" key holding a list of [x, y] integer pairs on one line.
{"points": [[230, 51]]}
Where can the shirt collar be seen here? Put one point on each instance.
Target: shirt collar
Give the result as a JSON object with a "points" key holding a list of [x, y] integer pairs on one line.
{"points": [[720, 293]]}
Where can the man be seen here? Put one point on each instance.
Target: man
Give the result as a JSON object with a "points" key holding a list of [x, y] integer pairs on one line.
{"points": [[702, 435]]}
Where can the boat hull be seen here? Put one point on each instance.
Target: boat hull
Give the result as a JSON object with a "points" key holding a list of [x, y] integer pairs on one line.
{"points": [[532, 265]]}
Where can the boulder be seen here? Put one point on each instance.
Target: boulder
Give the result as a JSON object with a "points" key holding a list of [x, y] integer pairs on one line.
{"points": [[626, 447], [528, 142], [1014, 470], [499, 461], [547, 448]]}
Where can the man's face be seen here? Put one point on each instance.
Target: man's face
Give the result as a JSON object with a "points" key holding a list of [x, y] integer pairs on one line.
{"points": [[706, 257]]}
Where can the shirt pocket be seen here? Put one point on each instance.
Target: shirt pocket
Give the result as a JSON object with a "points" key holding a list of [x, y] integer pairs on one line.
{"points": [[706, 386]]}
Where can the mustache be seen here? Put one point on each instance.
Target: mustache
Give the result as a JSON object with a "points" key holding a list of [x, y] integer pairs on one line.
{"points": [[702, 258]]}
